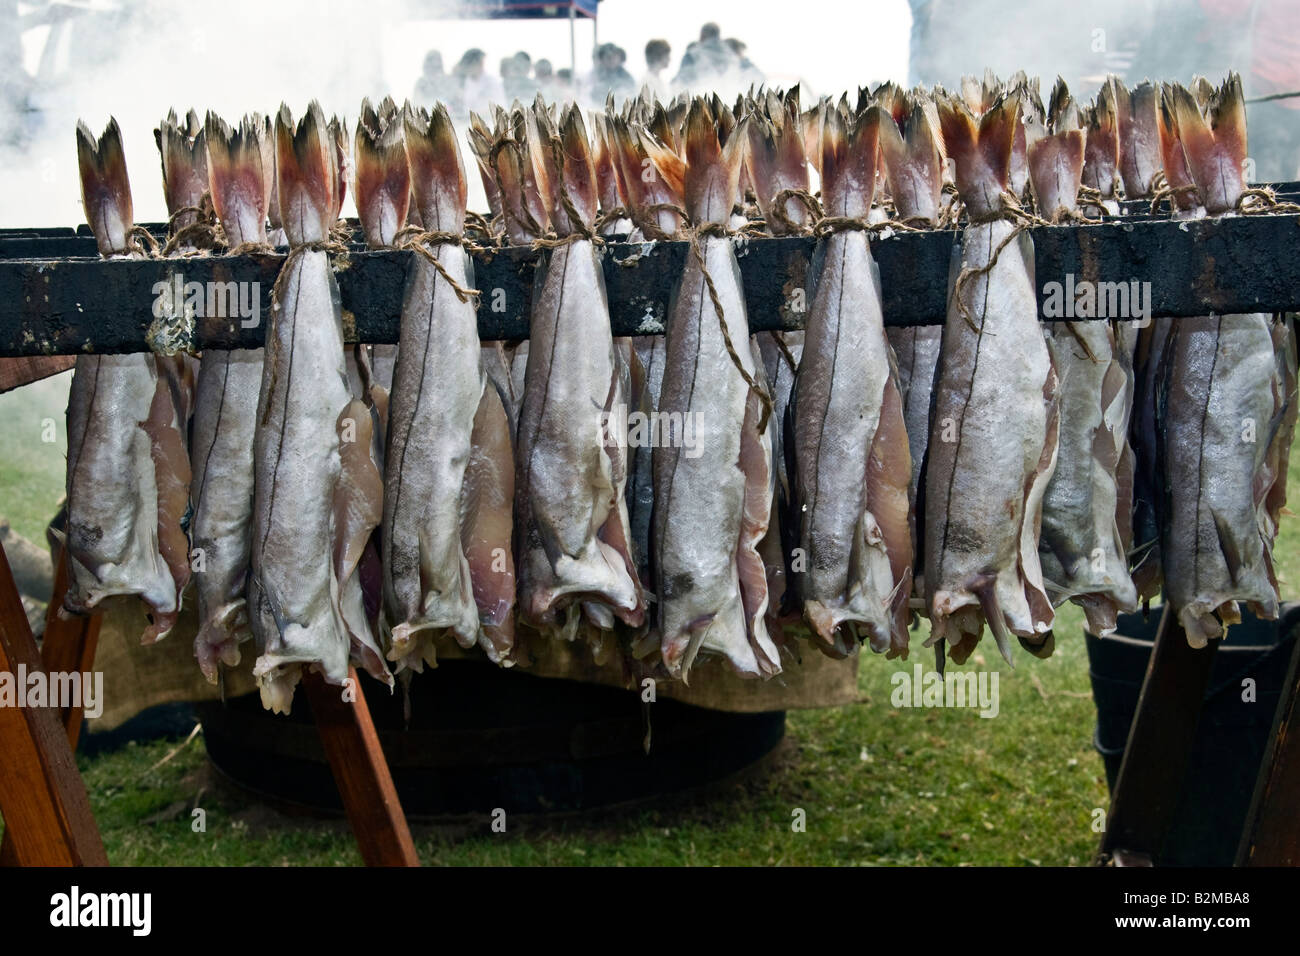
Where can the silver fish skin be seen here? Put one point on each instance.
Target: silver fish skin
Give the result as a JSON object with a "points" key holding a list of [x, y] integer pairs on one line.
{"points": [[1082, 548], [911, 146], [987, 469], [853, 468], [992, 446], [127, 476], [438, 385], [713, 499], [1227, 413], [318, 494], [436, 391], [112, 532], [840, 404], [1225, 400], [301, 610], [916, 351], [225, 417], [225, 412], [712, 506], [571, 514], [781, 353], [576, 570]]}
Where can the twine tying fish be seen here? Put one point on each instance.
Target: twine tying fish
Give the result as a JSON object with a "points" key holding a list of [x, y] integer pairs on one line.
{"points": [[252, 247], [609, 216], [1161, 190], [807, 199], [1009, 209], [719, 230], [528, 223], [779, 338], [644, 220], [1266, 202], [141, 240], [418, 240], [202, 234]]}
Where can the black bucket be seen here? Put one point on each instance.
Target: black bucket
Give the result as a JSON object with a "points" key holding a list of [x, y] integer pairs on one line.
{"points": [[1231, 737], [480, 738]]}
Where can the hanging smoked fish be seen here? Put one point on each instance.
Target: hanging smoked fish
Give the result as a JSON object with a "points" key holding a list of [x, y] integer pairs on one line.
{"points": [[713, 494], [576, 570], [1088, 505], [225, 408], [1228, 408], [853, 467], [128, 473], [318, 494], [993, 439]]}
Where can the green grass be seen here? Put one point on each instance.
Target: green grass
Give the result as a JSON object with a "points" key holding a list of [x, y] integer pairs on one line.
{"points": [[879, 785], [31, 469]]}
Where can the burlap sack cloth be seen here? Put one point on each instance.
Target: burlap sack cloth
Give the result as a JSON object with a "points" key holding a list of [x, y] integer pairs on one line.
{"points": [[136, 678]]}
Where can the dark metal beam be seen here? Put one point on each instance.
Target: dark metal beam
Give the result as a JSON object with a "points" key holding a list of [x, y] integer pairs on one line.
{"points": [[1247, 264]]}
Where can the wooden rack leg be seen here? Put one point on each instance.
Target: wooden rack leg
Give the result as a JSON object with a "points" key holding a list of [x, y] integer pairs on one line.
{"points": [[42, 796], [1159, 747], [1272, 833], [361, 773], [67, 647]]}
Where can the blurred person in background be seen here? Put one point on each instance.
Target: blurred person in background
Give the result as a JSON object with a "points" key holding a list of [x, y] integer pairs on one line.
{"points": [[749, 73], [564, 89], [706, 61], [657, 55], [516, 78], [544, 78], [610, 76], [434, 85], [477, 87]]}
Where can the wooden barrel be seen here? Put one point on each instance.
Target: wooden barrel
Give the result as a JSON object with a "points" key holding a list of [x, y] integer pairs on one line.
{"points": [[478, 738]]}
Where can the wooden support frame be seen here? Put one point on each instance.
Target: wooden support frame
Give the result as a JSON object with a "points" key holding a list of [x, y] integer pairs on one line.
{"points": [[43, 800], [1159, 747], [360, 771], [1271, 836], [42, 796]]}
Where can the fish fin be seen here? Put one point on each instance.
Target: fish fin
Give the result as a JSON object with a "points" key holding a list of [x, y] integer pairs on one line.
{"points": [[105, 188], [912, 152], [985, 590], [306, 173], [1056, 172], [665, 161], [981, 149], [436, 171], [1214, 140], [184, 153], [382, 177], [849, 150], [713, 160], [239, 177], [775, 162], [1177, 175]]}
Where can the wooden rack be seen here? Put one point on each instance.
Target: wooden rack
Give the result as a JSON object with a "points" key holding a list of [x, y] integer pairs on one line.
{"points": [[57, 300]]}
